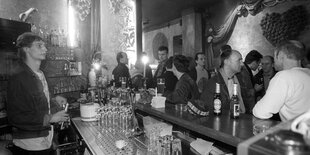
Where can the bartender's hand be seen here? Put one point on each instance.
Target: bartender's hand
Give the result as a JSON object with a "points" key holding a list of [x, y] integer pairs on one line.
{"points": [[60, 116]]}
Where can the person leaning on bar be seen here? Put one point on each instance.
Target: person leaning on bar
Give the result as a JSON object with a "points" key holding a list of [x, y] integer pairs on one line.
{"points": [[170, 79], [288, 91], [186, 88], [231, 63]]}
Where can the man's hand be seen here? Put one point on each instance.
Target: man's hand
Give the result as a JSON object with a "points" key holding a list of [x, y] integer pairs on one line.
{"points": [[258, 87], [60, 116]]}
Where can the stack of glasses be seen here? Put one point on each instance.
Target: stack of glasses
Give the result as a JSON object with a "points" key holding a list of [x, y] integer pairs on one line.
{"points": [[116, 119]]}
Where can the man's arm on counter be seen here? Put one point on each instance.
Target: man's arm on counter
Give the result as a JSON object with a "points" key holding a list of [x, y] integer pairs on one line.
{"points": [[179, 95], [273, 100]]}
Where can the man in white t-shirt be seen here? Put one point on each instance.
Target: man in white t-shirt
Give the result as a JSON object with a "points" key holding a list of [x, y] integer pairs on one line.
{"points": [[288, 91]]}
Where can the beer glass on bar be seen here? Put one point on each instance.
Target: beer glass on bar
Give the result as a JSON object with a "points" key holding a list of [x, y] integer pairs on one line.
{"points": [[160, 86]]}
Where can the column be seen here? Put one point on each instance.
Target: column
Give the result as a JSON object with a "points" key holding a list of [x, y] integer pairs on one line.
{"points": [[192, 34]]}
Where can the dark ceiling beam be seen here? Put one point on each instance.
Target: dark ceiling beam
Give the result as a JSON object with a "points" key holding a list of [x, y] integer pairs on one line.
{"points": [[162, 25]]}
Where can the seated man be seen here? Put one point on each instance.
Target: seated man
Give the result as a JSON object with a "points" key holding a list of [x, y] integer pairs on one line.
{"points": [[231, 62], [288, 91], [263, 77], [186, 87]]}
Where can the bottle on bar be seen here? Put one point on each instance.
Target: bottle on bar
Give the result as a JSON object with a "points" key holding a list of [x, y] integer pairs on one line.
{"points": [[217, 103], [234, 103]]}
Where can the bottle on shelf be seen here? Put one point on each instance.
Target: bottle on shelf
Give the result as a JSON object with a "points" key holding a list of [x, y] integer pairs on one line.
{"points": [[217, 103], [234, 103]]}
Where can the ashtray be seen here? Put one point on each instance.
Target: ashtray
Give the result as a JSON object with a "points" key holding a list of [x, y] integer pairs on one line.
{"points": [[120, 144]]}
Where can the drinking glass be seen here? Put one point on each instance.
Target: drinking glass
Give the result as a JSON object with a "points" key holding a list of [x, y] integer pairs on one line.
{"points": [[176, 147], [259, 128], [109, 119], [160, 86]]}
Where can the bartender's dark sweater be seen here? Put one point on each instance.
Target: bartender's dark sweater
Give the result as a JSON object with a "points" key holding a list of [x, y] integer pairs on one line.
{"points": [[186, 89], [27, 106]]}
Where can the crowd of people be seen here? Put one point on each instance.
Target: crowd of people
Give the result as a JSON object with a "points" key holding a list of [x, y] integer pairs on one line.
{"points": [[279, 90], [268, 86]]}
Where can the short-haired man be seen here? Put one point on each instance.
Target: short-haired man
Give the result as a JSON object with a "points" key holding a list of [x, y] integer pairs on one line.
{"points": [[121, 70], [199, 73], [162, 58], [251, 62], [29, 108], [263, 77], [231, 63], [186, 88], [288, 91], [246, 80]]}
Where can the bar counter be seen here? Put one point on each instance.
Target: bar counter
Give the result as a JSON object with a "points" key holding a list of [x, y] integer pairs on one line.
{"points": [[220, 128], [99, 141]]}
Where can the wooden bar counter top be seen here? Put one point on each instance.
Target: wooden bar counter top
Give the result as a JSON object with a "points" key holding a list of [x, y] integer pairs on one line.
{"points": [[220, 128]]}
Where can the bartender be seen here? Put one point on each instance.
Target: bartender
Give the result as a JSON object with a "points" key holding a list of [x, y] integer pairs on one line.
{"points": [[29, 109]]}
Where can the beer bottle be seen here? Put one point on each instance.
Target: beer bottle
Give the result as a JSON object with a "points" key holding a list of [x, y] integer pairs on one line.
{"points": [[217, 103], [234, 103]]}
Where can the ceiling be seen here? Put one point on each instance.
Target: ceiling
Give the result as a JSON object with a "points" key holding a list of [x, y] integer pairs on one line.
{"points": [[157, 12]]}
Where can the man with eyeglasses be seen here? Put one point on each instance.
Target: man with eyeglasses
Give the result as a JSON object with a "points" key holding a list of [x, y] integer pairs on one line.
{"points": [[30, 110]]}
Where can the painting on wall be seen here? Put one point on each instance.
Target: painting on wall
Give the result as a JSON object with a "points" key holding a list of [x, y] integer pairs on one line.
{"points": [[159, 40]]}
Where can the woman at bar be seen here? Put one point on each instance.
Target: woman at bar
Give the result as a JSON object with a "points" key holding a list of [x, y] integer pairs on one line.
{"points": [[186, 88], [170, 79]]}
